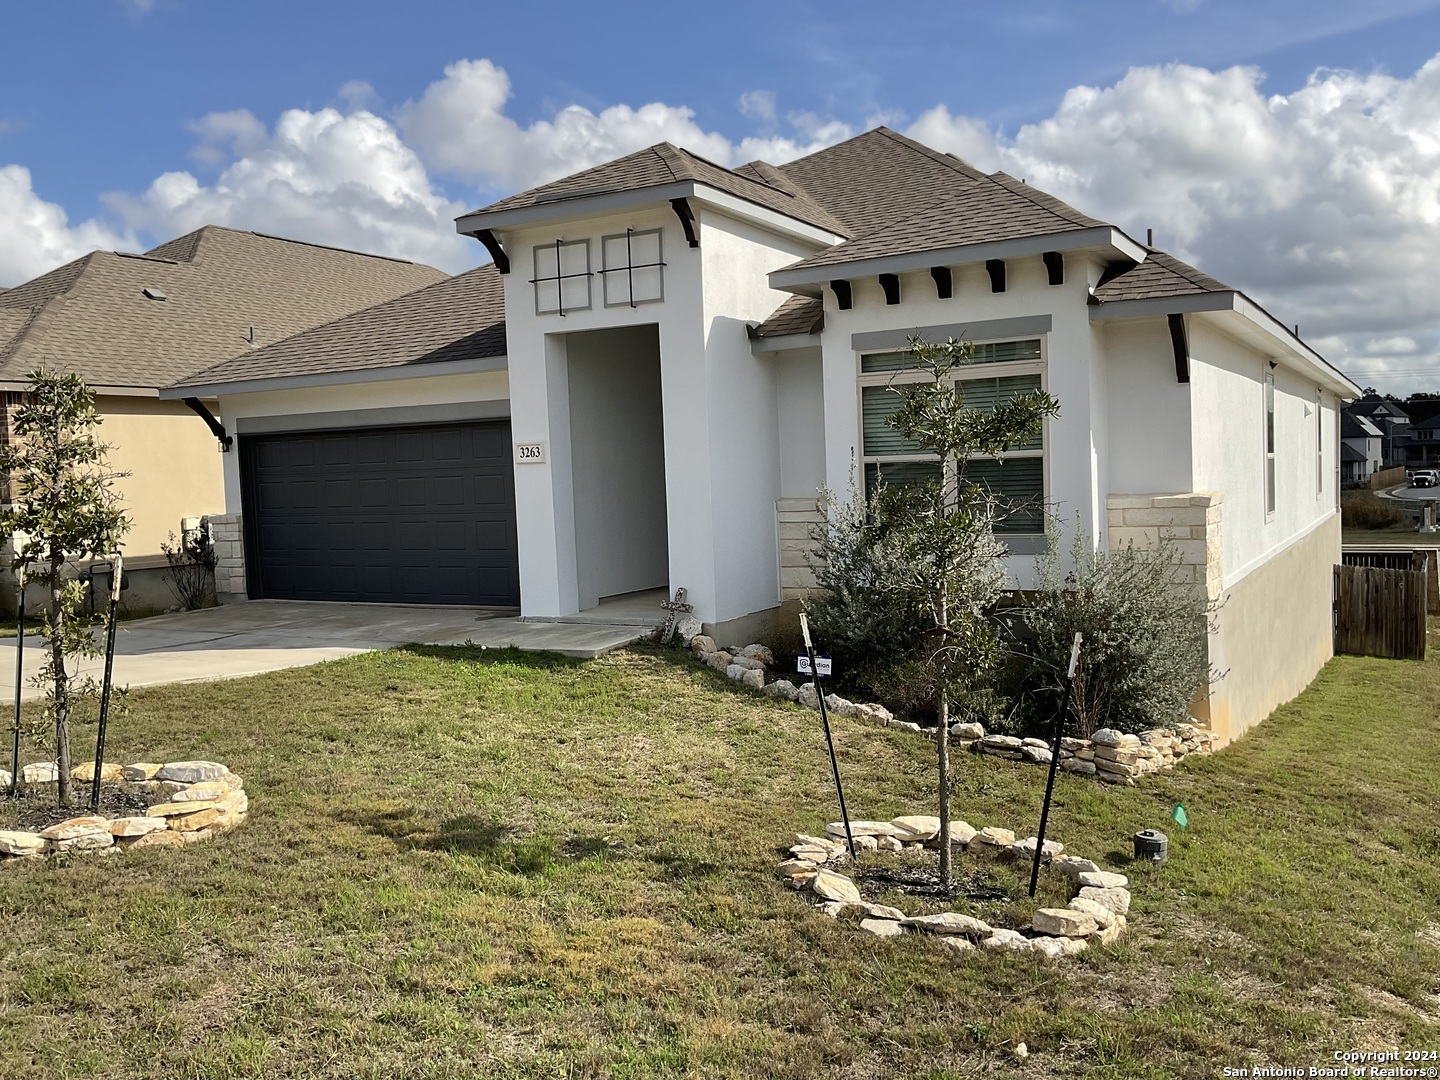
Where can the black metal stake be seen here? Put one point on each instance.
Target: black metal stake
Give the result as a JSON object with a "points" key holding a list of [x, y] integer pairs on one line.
{"points": [[117, 574], [19, 682], [1054, 760], [825, 722]]}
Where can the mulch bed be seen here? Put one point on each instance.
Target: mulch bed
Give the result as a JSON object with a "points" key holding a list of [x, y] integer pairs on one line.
{"points": [[36, 810], [923, 881]]}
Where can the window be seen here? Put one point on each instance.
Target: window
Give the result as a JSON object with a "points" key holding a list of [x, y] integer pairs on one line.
{"points": [[562, 277], [634, 269], [1269, 443], [1017, 482], [1319, 443]]}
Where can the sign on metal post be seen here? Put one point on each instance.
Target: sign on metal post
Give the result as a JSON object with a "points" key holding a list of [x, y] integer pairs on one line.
{"points": [[1055, 758], [814, 664], [823, 666]]}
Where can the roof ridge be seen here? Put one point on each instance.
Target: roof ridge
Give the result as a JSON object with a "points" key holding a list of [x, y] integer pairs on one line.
{"points": [[950, 161]]}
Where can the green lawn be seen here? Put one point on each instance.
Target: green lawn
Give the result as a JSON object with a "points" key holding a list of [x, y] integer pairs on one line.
{"points": [[461, 864]]}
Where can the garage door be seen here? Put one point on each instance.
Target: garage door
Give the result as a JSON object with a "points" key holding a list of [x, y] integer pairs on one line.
{"points": [[419, 515]]}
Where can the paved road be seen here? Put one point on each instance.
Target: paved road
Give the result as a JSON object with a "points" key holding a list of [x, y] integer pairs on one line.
{"points": [[267, 635]]}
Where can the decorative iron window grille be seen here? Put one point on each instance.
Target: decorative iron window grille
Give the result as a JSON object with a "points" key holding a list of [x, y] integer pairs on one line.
{"points": [[562, 277], [634, 269]]}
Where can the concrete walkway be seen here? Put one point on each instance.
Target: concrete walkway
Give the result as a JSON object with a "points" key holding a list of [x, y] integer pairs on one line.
{"points": [[267, 635]]}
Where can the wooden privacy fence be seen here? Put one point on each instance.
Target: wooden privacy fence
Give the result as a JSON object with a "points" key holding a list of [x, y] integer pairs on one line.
{"points": [[1380, 612], [1383, 478]]}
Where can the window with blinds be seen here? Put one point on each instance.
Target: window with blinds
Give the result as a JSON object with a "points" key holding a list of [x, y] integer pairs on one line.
{"points": [[1017, 482]]}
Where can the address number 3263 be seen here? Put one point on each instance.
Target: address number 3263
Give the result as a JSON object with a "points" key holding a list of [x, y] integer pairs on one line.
{"points": [[529, 453]]}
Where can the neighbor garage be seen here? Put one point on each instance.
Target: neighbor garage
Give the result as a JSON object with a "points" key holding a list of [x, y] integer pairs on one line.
{"points": [[421, 514]]}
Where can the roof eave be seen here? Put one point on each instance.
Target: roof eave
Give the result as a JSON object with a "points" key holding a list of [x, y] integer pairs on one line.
{"points": [[336, 378], [1244, 319], [615, 202], [784, 343], [1105, 238]]}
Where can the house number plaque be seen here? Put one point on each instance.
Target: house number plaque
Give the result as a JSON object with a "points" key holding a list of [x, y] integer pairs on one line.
{"points": [[529, 453]]}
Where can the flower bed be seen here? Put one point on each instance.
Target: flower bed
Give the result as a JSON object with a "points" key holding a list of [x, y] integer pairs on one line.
{"points": [[171, 804], [1112, 756], [1096, 912]]}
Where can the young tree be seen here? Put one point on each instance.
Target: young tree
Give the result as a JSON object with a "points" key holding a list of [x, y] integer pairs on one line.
{"points": [[933, 550], [63, 505]]}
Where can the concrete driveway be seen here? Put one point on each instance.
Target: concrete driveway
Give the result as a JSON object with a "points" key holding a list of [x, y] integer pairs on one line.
{"points": [[267, 635]]}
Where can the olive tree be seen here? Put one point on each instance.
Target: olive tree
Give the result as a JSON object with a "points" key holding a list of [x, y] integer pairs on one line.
{"points": [[63, 506], [927, 551]]}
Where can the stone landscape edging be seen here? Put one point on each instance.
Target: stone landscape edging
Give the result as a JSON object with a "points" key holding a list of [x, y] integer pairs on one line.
{"points": [[1112, 756], [1097, 913], [197, 800]]}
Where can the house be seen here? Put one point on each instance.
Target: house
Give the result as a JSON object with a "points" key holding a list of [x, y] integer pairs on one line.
{"points": [[1361, 448], [1417, 444], [130, 324], [691, 351], [1391, 419]]}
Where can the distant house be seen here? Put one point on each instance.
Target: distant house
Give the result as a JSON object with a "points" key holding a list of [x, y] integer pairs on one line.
{"points": [[130, 324], [668, 358], [1418, 443], [1361, 452], [1391, 419]]}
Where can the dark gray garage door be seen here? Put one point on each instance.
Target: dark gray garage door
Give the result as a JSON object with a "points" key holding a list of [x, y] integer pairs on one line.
{"points": [[421, 515]]}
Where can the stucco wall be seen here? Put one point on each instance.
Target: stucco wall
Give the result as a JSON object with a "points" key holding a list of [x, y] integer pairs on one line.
{"points": [[1147, 410], [1227, 387], [743, 399], [175, 466], [800, 399], [1274, 630], [617, 436]]}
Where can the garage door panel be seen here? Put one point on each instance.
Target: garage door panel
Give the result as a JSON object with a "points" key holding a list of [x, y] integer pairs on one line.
{"points": [[419, 515]]}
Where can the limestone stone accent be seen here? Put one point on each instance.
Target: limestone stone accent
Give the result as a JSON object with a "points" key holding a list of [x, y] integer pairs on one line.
{"points": [[40, 772], [213, 802], [229, 540], [1095, 915], [85, 772], [795, 521]]}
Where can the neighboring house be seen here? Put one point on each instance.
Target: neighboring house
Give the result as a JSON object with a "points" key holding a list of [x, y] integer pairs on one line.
{"points": [[690, 352], [1362, 450], [1391, 419], [1418, 443], [130, 324]]}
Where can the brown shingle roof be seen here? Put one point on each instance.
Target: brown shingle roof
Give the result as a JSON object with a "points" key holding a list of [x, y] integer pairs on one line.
{"points": [[1159, 275], [797, 315], [663, 164], [995, 207], [459, 318], [91, 317]]}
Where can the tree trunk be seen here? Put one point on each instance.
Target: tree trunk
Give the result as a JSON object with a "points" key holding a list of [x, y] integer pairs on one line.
{"points": [[62, 682]]}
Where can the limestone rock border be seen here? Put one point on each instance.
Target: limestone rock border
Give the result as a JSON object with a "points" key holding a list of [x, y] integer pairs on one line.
{"points": [[1108, 755], [195, 801], [1096, 913]]}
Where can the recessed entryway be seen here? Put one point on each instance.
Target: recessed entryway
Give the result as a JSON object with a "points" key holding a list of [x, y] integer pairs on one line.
{"points": [[617, 445]]}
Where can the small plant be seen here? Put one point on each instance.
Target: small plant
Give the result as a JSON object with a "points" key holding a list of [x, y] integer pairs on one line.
{"points": [[1144, 658], [191, 578], [64, 507]]}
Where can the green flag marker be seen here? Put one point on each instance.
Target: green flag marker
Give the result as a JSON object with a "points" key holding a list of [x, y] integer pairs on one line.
{"points": [[1179, 816]]}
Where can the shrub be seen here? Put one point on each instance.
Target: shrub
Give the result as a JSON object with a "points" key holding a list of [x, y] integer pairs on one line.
{"points": [[1366, 510], [1144, 657], [192, 567]]}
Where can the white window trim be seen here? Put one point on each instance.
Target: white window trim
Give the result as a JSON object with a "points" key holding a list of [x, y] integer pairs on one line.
{"points": [[1269, 440], [1000, 369]]}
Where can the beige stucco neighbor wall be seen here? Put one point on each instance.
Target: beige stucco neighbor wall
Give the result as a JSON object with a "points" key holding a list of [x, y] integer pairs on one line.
{"points": [[1274, 631], [175, 469]]}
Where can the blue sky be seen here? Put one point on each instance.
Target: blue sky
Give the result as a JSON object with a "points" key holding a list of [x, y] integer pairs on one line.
{"points": [[123, 123]]}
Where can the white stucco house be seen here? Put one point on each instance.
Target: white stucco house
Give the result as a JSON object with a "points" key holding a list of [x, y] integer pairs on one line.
{"points": [[667, 358]]}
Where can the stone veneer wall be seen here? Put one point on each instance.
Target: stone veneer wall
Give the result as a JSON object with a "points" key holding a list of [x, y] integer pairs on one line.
{"points": [[795, 520], [229, 557], [1189, 523]]}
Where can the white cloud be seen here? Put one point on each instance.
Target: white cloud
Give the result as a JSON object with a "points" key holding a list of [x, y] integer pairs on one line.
{"points": [[36, 236], [460, 127], [323, 176], [1323, 203], [758, 105]]}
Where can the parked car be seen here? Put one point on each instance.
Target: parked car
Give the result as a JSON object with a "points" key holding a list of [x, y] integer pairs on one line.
{"points": [[1424, 478]]}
